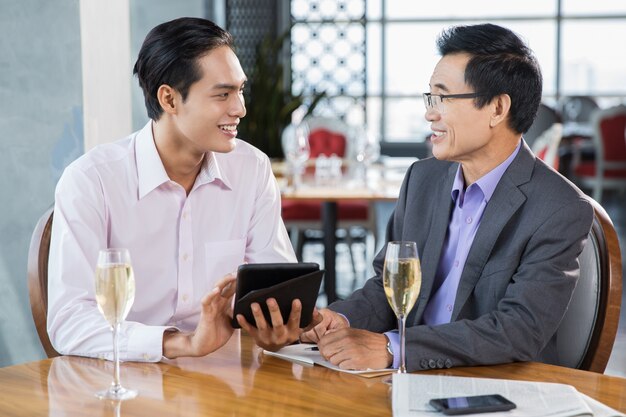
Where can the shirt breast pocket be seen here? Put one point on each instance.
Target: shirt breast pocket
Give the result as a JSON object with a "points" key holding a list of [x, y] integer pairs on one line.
{"points": [[222, 258]]}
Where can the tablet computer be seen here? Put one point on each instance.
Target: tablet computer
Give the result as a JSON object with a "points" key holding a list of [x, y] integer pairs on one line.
{"points": [[282, 281]]}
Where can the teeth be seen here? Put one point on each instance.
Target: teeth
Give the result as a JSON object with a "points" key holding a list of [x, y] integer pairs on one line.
{"points": [[230, 128], [439, 133]]}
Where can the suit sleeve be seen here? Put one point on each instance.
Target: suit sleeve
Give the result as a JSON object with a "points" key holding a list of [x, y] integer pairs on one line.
{"points": [[368, 308]]}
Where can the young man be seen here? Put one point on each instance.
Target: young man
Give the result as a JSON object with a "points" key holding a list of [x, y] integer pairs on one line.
{"points": [[189, 200], [498, 232]]}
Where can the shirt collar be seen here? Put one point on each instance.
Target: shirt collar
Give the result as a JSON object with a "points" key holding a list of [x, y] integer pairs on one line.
{"points": [[488, 182], [210, 171], [151, 172]]}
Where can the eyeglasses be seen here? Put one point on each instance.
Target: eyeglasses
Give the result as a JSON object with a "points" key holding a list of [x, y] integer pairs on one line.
{"points": [[435, 101]]}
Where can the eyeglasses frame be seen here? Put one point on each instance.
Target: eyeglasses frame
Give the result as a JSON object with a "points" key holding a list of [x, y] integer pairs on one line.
{"points": [[428, 97]]}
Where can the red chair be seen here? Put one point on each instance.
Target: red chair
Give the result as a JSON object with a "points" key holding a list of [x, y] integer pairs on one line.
{"points": [[608, 170], [546, 146], [327, 137]]}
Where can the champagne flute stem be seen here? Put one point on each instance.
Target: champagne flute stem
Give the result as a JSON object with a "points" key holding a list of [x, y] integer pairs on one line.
{"points": [[401, 328], [115, 385]]}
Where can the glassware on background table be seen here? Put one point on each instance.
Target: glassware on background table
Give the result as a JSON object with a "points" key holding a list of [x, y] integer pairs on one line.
{"points": [[115, 294], [402, 280], [295, 143], [367, 151]]}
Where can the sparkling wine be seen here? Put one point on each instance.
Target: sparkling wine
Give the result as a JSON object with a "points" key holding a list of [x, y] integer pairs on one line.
{"points": [[115, 291], [402, 280]]}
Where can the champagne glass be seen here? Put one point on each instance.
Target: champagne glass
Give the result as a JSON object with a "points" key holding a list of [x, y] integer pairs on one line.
{"points": [[115, 294], [402, 280]]}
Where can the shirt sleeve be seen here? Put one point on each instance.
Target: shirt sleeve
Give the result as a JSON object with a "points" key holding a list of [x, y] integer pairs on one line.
{"points": [[394, 341], [79, 231], [267, 239]]}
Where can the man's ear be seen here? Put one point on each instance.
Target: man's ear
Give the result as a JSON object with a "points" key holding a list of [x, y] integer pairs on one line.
{"points": [[501, 106], [167, 97]]}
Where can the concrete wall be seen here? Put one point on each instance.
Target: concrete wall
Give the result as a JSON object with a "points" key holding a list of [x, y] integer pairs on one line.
{"points": [[40, 133]]}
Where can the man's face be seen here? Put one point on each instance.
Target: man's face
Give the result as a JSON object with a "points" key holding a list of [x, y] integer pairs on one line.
{"points": [[208, 119], [461, 132]]}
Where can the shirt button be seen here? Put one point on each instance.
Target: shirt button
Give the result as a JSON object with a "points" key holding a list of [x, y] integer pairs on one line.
{"points": [[185, 256], [449, 307], [184, 215], [468, 220], [146, 356], [185, 297], [456, 263]]}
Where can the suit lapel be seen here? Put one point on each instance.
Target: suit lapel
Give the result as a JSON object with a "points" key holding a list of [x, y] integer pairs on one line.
{"points": [[504, 202], [435, 239]]}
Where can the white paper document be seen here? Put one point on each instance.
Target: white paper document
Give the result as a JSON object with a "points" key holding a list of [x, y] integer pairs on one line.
{"points": [[308, 354], [411, 394]]}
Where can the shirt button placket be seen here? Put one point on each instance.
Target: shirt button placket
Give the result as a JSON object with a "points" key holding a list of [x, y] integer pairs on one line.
{"points": [[185, 262]]}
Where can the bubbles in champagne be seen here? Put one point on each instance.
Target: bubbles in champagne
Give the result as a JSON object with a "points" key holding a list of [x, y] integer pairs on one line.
{"points": [[115, 291], [402, 280]]}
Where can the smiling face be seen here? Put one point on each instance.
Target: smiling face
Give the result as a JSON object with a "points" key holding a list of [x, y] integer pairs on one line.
{"points": [[461, 132], [479, 139], [206, 121]]}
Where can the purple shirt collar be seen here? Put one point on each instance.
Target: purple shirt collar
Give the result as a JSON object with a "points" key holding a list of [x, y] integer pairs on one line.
{"points": [[488, 182]]}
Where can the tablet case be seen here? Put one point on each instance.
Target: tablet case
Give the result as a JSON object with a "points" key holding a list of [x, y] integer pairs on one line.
{"points": [[281, 281]]}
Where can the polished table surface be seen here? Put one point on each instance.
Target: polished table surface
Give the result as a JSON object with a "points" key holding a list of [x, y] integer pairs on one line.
{"points": [[239, 380]]}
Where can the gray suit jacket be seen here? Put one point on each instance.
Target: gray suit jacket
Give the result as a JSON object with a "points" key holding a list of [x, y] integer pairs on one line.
{"points": [[519, 276]]}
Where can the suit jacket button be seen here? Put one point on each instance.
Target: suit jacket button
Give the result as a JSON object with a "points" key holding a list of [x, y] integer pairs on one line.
{"points": [[432, 364], [424, 364], [439, 363], [448, 363]]}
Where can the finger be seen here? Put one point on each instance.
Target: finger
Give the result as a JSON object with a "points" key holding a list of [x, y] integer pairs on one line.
{"points": [[321, 329], [245, 325], [275, 314], [225, 280], [294, 316], [259, 318], [315, 320], [209, 298], [308, 337]]}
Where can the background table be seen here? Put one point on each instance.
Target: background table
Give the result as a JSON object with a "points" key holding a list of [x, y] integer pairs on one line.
{"points": [[329, 198], [385, 187], [240, 380]]}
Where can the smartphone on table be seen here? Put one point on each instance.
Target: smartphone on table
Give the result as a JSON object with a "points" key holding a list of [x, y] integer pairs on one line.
{"points": [[473, 404]]}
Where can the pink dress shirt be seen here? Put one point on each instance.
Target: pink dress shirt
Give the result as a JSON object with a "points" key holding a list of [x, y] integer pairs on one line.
{"points": [[119, 195]]}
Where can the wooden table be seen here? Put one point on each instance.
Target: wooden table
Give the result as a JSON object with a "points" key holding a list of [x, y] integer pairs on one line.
{"points": [[239, 380]]}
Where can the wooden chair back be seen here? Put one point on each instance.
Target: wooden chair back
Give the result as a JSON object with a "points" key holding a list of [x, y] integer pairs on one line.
{"points": [[38, 278], [587, 333]]}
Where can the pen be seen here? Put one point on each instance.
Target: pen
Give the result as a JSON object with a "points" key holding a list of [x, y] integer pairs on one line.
{"points": [[314, 348]]}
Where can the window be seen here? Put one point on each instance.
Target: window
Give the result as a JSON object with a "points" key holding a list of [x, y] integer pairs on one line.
{"points": [[399, 53]]}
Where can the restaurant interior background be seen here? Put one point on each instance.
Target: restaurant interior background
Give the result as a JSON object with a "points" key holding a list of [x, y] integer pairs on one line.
{"points": [[66, 85]]}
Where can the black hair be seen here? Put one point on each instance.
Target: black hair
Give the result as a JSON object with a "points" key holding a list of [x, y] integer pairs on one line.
{"points": [[500, 63], [169, 55]]}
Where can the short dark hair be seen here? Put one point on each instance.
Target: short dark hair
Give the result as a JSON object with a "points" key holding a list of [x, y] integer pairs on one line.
{"points": [[169, 55], [500, 63]]}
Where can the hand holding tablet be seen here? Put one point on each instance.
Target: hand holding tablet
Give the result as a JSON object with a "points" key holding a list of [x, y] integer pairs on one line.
{"points": [[284, 282]]}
